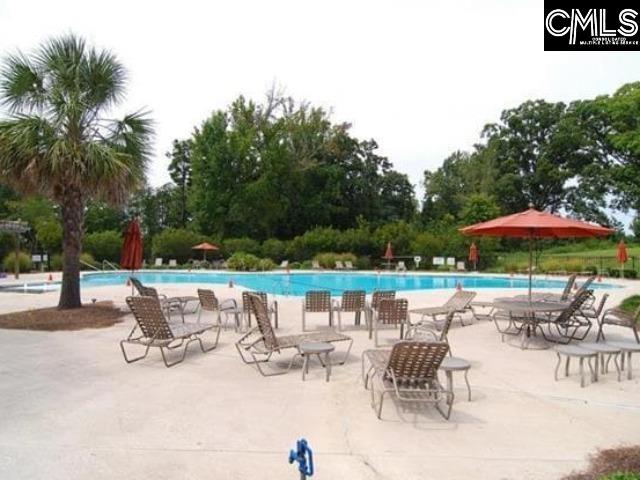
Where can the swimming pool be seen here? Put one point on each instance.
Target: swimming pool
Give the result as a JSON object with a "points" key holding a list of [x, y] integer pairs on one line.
{"points": [[299, 283]]}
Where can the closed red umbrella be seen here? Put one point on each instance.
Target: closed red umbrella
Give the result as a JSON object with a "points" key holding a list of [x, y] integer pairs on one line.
{"points": [[622, 256], [388, 254], [535, 224], [131, 256], [473, 255]]}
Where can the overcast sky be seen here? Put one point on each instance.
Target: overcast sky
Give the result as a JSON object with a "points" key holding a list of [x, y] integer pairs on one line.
{"points": [[422, 78]]}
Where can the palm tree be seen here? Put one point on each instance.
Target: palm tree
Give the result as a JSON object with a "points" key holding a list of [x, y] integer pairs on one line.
{"points": [[58, 141]]}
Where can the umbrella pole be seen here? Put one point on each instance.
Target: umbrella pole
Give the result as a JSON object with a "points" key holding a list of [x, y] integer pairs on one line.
{"points": [[530, 265]]}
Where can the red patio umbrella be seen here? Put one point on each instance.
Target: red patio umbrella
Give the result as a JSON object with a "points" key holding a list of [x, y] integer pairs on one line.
{"points": [[388, 255], [473, 255], [622, 256], [131, 256], [535, 224], [205, 247]]}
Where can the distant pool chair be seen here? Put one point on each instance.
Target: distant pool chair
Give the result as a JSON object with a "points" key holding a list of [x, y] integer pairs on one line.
{"points": [[270, 307], [401, 267], [316, 301], [157, 332], [620, 318], [353, 301], [425, 332], [390, 313], [209, 303]]}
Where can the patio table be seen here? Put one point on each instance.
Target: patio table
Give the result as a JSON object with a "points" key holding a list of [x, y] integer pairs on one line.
{"points": [[528, 313]]}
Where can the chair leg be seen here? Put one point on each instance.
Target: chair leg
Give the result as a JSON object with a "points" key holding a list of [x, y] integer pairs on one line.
{"points": [[131, 360], [466, 380], [557, 366]]}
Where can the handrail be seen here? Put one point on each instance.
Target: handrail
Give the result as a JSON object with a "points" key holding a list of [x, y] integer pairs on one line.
{"points": [[86, 264], [109, 264]]}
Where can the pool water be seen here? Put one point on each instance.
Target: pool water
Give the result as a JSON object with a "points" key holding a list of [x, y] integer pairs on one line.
{"points": [[299, 283]]}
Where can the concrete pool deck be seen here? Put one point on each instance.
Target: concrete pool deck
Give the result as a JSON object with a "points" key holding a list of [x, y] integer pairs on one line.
{"points": [[72, 409]]}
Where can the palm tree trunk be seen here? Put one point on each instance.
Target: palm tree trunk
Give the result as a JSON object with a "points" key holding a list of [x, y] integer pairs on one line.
{"points": [[72, 209]]}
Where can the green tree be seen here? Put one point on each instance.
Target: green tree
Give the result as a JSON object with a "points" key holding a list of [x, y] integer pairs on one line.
{"points": [[537, 153], [101, 216], [479, 207], [58, 141], [180, 172]]}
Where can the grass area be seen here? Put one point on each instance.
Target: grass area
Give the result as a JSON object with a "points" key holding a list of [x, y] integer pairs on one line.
{"points": [[622, 463], [97, 315], [633, 251], [630, 304]]}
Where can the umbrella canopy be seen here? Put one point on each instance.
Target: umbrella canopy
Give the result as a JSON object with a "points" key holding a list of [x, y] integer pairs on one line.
{"points": [[473, 253], [205, 247], [622, 255], [131, 256], [388, 255], [535, 224]]}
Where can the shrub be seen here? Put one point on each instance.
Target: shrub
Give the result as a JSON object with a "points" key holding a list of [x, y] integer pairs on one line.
{"points": [[244, 245], [621, 463], [274, 249], [87, 258], [363, 263], [615, 273], [306, 265], [295, 265], [176, 243], [248, 262], [24, 262], [57, 262], [328, 259], [105, 245]]}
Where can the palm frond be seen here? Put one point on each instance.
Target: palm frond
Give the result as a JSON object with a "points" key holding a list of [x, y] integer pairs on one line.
{"points": [[21, 84]]}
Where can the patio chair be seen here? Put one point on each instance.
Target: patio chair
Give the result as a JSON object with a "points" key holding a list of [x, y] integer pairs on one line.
{"points": [[315, 265], [316, 301], [158, 262], [376, 297], [410, 372], [424, 333], [168, 304], [570, 321], [284, 264], [352, 301], [258, 345], [348, 264], [620, 318], [458, 303], [566, 293], [461, 267], [209, 303], [157, 332], [401, 267], [271, 307], [339, 265], [391, 313], [173, 263]]}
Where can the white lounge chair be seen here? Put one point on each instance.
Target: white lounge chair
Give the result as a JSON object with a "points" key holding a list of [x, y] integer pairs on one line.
{"points": [[315, 265], [284, 264], [158, 262], [349, 265], [173, 262], [401, 267], [339, 265]]}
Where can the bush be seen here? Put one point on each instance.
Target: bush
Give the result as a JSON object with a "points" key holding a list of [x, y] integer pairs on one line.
{"points": [[105, 245], [363, 263], [57, 263], [242, 261], [306, 265], [615, 273], [87, 258], [24, 262], [176, 243], [242, 245], [274, 249], [620, 463], [328, 259]]}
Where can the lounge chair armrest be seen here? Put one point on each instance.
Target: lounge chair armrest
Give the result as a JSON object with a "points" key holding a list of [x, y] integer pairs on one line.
{"points": [[228, 304]]}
